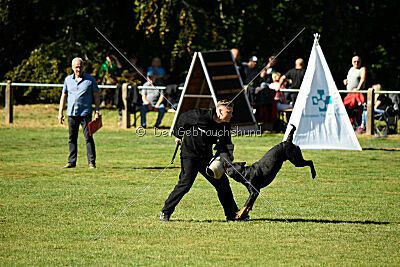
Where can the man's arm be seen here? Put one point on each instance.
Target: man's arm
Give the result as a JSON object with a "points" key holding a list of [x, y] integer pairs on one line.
{"points": [[160, 100], [184, 121], [119, 65], [264, 71], [145, 101], [96, 97], [61, 108], [224, 143], [281, 80]]}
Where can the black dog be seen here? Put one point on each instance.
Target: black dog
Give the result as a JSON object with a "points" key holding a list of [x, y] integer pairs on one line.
{"points": [[263, 172]]}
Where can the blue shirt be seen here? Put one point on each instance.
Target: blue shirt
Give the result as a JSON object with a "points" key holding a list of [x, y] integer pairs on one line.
{"points": [[80, 94], [158, 71]]}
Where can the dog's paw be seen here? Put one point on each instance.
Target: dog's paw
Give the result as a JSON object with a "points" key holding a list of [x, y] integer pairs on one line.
{"points": [[313, 174]]}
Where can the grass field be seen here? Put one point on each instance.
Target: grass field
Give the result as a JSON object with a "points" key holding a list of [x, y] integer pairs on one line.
{"points": [[349, 214]]}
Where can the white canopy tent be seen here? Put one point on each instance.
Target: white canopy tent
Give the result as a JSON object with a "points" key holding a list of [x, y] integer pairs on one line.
{"points": [[319, 114]]}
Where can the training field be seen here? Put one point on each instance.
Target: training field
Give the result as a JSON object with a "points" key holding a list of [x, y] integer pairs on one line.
{"points": [[49, 216]]}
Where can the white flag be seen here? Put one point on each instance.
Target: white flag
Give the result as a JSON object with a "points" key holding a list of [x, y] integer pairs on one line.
{"points": [[319, 114]]}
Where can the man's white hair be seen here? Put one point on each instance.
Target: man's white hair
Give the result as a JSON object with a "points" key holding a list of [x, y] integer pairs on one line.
{"points": [[75, 59]]}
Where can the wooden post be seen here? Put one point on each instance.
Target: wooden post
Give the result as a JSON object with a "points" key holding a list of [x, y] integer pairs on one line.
{"points": [[370, 111], [126, 116], [9, 103]]}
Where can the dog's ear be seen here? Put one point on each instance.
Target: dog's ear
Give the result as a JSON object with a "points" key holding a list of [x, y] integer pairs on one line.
{"points": [[234, 168]]}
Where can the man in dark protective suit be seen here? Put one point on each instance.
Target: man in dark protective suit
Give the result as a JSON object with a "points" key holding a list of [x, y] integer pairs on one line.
{"points": [[197, 130]]}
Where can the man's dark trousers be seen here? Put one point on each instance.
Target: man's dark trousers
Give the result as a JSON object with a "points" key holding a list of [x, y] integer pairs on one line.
{"points": [[73, 129], [190, 169]]}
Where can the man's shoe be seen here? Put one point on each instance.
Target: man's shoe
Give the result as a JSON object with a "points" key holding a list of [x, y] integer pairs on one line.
{"points": [[164, 217], [69, 166], [92, 165]]}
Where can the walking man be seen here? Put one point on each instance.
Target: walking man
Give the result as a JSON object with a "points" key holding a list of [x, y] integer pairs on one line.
{"points": [[80, 89], [197, 130]]}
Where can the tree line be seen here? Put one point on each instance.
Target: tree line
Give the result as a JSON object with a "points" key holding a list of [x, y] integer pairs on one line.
{"points": [[40, 38]]}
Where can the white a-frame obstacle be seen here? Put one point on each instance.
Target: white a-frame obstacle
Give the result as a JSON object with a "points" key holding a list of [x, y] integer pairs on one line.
{"points": [[214, 76], [319, 114]]}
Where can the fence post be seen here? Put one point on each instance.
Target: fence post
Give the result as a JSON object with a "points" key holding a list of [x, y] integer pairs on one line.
{"points": [[126, 116], [370, 111], [9, 101]]}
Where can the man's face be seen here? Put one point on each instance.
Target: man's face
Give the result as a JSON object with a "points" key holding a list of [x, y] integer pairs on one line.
{"points": [[77, 68], [156, 63], [235, 54], [356, 61], [224, 113], [252, 64]]}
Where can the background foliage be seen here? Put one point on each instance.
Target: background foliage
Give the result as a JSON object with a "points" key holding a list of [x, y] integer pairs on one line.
{"points": [[40, 39]]}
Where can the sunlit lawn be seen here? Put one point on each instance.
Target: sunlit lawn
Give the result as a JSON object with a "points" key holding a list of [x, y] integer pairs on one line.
{"points": [[49, 216]]}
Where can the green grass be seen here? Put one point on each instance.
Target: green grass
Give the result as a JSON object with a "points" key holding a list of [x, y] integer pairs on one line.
{"points": [[49, 216]]}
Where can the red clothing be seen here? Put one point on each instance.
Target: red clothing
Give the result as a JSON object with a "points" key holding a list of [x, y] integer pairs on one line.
{"points": [[353, 100], [352, 103]]}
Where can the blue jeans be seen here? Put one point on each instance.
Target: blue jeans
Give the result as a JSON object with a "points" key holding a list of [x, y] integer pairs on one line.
{"points": [[145, 108], [364, 115]]}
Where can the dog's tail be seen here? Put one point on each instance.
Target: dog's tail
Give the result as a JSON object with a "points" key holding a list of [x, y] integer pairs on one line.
{"points": [[290, 136]]}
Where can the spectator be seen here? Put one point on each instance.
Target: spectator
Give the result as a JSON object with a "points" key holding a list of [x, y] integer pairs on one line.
{"points": [[250, 69], [279, 96], [356, 76], [132, 75], [355, 81], [239, 67], [152, 100], [296, 76], [109, 72], [381, 103], [396, 101], [159, 75], [267, 72], [80, 89]]}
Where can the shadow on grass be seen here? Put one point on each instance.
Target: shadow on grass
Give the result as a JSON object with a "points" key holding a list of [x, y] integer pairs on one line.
{"points": [[381, 148], [145, 168], [283, 220], [196, 221], [319, 221]]}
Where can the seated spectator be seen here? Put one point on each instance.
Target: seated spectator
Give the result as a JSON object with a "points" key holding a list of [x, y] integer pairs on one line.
{"points": [[381, 103], [152, 100], [131, 75], [279, 96], [159, 75], [109, 73], [396, 101]]}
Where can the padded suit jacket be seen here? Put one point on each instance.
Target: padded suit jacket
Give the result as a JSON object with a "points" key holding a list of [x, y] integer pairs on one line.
{"points": [[200, 131]]}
